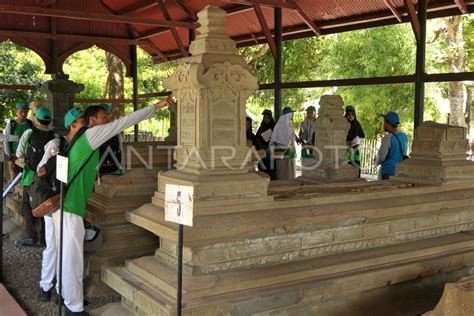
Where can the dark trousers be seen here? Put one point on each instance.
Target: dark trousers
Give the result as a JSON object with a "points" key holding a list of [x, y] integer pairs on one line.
{"points": [[386, 177], [30, 220]]}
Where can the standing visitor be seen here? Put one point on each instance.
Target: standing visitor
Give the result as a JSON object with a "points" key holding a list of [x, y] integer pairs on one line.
{"points": [[354, 138], [83, 158], [283, 143], [394, 146], [264, 133], [306, 137], [31, 149]]}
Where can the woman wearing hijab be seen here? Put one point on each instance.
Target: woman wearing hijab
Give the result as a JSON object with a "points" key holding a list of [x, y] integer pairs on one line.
{"points": [[251, 138], [283, 141], [264, 133], [354, 137], [306, 136]]}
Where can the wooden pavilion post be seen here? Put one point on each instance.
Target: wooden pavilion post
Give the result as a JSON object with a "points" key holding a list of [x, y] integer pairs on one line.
{"points": [[133, 54], [278, 62], [420, 65]]}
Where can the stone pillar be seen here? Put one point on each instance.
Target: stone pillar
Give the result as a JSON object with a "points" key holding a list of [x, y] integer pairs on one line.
{"points": [[61, 93], [330, 139], [211, 88]]}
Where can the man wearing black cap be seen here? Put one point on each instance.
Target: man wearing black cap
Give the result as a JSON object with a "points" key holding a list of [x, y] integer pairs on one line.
{"points": [[393, 148]]}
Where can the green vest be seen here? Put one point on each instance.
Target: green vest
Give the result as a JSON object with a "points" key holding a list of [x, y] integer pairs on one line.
{"points": [[28, 175], [82, 187], [19, 130]]}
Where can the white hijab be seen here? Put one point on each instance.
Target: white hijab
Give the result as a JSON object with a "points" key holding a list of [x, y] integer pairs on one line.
{"points": [[283, 133]]}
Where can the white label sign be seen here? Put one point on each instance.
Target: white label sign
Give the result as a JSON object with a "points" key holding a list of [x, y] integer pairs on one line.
{"points": [[61, 168], [179, 204]]}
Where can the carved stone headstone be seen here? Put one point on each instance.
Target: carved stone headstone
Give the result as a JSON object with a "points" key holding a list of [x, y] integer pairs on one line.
{"points": [[438, 155], [211, 88], [60, 92], [330, 140]]}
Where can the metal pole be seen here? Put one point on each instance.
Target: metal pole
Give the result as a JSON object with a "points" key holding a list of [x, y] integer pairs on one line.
{"points": [[278, 62], [61, 234], [133, 53], [420, 65], [180, 269]]}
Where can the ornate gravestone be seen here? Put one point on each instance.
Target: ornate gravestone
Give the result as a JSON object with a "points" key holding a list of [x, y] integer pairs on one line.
{"points": [[330, 139]]}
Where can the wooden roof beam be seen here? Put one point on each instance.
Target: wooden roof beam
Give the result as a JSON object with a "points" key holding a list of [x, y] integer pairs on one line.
{"points": [[192, 15], [71, 37], [308, 20], [462, 6], [88, 16], [415, 23], [394, 10], [265, 29], [284, 4], [137, 7], [173, 30]]}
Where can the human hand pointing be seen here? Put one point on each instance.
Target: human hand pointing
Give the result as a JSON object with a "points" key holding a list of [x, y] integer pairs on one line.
{"points": [[164, 103]]}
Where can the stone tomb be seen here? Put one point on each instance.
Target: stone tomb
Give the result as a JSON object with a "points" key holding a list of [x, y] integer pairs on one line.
{"points": [[331, 128], [439, 155], [286, 248]]}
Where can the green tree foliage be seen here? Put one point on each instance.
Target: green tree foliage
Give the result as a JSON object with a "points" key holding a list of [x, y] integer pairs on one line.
{"points": [[19, 66], [382, 51]]}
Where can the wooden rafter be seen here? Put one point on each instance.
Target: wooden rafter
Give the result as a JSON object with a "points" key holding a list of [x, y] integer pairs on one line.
{"points": [[308, 20], [134, 34], [137, 7], [173, 30], [284, 4], [78, 38], [88, 16], [415, 23], [192, 15], [265, 29], [462, 6], [394, 10]]}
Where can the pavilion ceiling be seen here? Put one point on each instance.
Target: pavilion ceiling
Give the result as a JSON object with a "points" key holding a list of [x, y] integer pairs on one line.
{"points": [[161, 27]]}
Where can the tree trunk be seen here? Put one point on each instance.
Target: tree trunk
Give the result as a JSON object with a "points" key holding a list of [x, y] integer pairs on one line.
{"points": [[456, 60], [115, 84]]}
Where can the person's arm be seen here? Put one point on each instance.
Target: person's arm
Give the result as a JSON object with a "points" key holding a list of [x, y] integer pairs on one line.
{"points": [[384, 148], [7, 148], [51, 149], [20, 151], [99, 134]]}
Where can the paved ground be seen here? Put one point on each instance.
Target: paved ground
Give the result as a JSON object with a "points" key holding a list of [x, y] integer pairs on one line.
{"points": [[21, 272]]}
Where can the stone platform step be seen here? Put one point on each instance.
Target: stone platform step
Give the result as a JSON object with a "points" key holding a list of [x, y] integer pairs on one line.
{"points": [[154, 284]]}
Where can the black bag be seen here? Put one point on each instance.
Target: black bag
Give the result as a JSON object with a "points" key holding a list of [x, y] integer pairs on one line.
{"points": [[42, 188], [113, 159], [404, 156], [35, 150]]}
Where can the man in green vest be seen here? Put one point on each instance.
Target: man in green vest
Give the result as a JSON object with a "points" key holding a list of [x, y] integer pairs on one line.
{"points": [[83, 159], [31, 149], [13, 131]]}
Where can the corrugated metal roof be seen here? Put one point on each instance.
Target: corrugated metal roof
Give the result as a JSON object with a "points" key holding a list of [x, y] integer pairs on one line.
{"points": [[34, 30]]}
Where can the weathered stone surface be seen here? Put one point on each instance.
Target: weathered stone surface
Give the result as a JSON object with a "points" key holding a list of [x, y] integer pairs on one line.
{"points": [[457, 299], [330, 133], [438, 155], [60, 92]]}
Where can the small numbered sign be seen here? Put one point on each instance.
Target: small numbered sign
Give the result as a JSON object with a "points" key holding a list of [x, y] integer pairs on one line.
{"points": [[179, 204], [61, 168]]}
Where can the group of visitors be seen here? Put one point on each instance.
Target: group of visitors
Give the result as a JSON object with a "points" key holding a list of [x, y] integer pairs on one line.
{"points": [[31, 148], [279, 140]]}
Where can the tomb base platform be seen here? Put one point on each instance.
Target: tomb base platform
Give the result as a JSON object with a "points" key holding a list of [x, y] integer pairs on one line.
{"points": [[315, 242]]}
